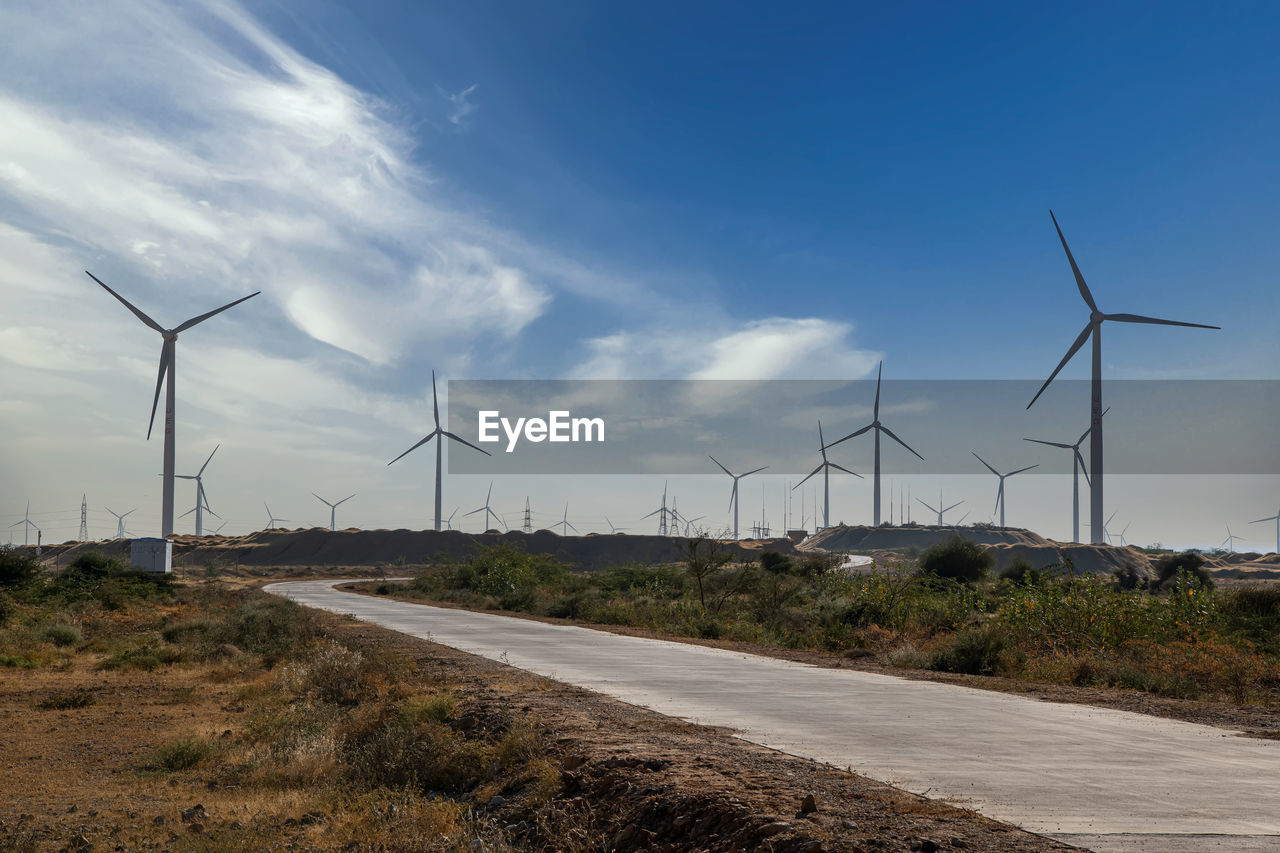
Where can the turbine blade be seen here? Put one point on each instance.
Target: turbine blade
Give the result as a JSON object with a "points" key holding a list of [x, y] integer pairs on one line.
{"points": [[1138, 318], [347, 498], [846, 470], [188, 512], [143, 317], [853, 434], [474, 511], [1084, 469], [655, 512], [1075, 347], [925, 505], [984, 462], [411, 449], [1050, 443], [165, 355], [879, 374], [1272, 518], [753, 471], [435, 400], [322, 500], [464, 441], [1084, 288], [953, 506], [733, 495], [196, 320], [1020, 470], [810, 474], [713, 459], [889, 433], [207, 461]]}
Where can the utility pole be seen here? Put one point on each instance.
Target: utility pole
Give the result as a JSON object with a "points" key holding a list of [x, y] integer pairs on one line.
{"points": [[84, 518], [528, 517]]}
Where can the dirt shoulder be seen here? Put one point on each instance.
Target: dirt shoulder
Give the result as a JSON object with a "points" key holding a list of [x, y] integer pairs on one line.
{"points": [[1251, 720]]}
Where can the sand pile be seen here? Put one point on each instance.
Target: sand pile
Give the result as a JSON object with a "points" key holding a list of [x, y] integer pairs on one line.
{"points": [[860, 538]]}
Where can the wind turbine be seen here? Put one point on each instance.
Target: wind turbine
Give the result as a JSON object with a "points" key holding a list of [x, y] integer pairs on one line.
{"points": [[27, 524], [165, 377], [565, 526], [120, 531], [440, 434], [688, 524], [940, 510], [219, 530], [962, 518], [1000, 493], [1094, 329], [733, 496], [612, 529], [1230, 541], [202, 502], [1124, 542], [486, 510], [661, 512], [449, 521], [1077, 468], [825, 468], [333, 508], [271, 519], [1276, 519], [879, 428]]}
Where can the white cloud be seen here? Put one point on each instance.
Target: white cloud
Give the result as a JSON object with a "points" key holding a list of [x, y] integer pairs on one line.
{"points": [[461, 105]]}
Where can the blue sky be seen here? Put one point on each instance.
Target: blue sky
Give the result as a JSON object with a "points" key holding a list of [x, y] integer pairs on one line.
{"points": [[648, 190]]}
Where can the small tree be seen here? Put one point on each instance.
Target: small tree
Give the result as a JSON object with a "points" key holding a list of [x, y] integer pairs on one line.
{"points": [[1168, 568], [958, 559], [707, 558], [16, 568]]}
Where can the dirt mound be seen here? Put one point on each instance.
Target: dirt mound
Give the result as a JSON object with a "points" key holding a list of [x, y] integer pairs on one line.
{"points": [[321, 547], [861, 538], [1087, 559]]}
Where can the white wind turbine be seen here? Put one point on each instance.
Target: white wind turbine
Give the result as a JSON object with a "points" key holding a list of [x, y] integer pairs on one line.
{"points": [[120, 530], [202, 502], [612, 529], [333, 507], [825, 468], [733, 495], [165, 377], [1276, 519], [272, 520], [27, 524], [1230, 541], [1094, 329], [1077, 468], [879, 428], [486, 510], [662, 512], [439, 434], [565, 525], [940, 510], [449, 521], [1000, 492]]}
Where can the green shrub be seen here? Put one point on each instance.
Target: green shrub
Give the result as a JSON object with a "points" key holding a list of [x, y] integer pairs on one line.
{"points": [[775, 563], [63, 635], [270, 625], [1128, 578], [67, 701], [1255, 613], [973, 651], [1170, 566], [1020, 570], [17, 568], [958, 559], [181, 755], [145, 657]]}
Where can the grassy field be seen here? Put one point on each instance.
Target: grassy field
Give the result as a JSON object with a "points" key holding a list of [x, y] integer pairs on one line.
{"points": [[1174, 637]]}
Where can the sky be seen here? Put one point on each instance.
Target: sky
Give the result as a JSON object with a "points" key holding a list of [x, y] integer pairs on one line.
{"points": [[584, 190]]}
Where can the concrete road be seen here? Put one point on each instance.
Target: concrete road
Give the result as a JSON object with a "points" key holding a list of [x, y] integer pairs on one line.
{"points": [[1100, 779]]}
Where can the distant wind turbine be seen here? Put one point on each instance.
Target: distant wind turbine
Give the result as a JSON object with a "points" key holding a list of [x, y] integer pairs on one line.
{"points": [[825, 468], [661, 512], [1276, 519], [202, 502], [486, 510], [879, 428], [940, 511], [27, 524], [440, 434], [165, 377], [1094, 329], [1077, 468], [1000, 492], [272, 520], [564, 525], [1230, 541], [733, 495], [333, 508], [449, 521], [613, 529], [120, 530], [962, 518]]}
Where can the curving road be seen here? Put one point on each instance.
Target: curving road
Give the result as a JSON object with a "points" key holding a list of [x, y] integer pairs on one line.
{"points": [[1097, 778]]}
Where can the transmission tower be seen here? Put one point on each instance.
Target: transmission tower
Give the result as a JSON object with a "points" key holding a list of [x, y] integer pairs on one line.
{"points": [[84, 519], [528, 517]]}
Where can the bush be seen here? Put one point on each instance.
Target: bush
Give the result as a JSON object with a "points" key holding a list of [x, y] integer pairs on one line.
{"points": [[775, 563], [1168, 568], [67, 701], [63, 635], [1128, 578], [1020, 570], [1255, 613], [973, 651], [270, 625], [17, 569], [181, 755], [958, 559], [331, 673]]}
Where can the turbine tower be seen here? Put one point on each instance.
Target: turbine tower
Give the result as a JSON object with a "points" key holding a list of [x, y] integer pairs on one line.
{"points": [[440, 435], [1276, 519], [940, 511], [733, 495], [165, 377], [564, 525], [120, 516], [825, 468], [486, 510], [271, 519], [27, 524], [1077, 468], [1094, 329], [879, 428], [1000, 492], [202, 502], [333, 508]]}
